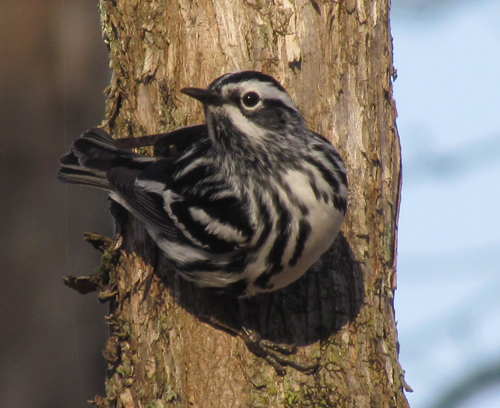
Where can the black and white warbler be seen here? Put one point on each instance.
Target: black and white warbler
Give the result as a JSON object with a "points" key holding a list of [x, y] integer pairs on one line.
{"points": [[247, 202]]}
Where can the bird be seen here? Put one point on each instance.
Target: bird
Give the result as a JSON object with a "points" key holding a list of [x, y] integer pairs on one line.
{"points": [[244, 203]]}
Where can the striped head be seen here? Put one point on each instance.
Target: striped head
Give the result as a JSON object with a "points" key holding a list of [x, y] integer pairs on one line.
{"points": [[249, 111]]}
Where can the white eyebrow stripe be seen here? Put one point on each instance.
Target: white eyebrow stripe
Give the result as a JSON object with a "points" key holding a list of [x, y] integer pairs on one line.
{"points": [[265, 90], [268, 91]]}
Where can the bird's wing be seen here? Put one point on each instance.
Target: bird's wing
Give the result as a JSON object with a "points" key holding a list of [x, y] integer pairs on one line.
{"points": [[146, 206], [179, 192], [169, 144], [201, 217]]}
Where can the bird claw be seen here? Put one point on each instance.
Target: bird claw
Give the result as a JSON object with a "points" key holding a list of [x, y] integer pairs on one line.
{"points": [[276, 354]]}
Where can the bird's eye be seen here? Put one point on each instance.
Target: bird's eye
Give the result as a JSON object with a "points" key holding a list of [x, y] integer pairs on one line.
{"points": [[250, 99]]}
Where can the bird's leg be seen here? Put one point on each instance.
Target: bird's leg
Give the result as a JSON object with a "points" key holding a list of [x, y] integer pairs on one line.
{"points": [[276, 354]]}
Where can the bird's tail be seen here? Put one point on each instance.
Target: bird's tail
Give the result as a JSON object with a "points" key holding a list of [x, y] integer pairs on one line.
{"points": [[92, 156]]}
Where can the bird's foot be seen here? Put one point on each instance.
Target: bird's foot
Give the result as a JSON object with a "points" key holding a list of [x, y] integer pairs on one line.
{"points": [[276, 354]]}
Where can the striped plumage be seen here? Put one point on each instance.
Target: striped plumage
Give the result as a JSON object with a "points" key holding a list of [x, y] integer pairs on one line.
{"points": [[249, 201]]}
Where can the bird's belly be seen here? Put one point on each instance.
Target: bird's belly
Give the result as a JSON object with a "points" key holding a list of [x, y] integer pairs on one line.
{"points": [[324, 221]]}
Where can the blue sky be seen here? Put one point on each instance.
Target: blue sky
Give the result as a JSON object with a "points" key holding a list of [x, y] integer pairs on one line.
{"points": [[447, 95]]}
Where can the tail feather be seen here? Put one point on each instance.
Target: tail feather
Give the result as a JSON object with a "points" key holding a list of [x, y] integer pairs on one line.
{"points": [[97, 150], [84, 178], [92, 156], [69, 160]]}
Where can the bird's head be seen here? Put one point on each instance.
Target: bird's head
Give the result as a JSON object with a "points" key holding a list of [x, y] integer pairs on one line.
{"points": [[249, 108]]}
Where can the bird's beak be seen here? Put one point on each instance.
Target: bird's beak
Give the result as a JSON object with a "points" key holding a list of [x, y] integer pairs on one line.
{"points": [[204, 96]]}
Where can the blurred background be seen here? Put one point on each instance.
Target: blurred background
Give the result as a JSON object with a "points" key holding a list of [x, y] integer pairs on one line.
{"points": [[53, 69], [448, 300]]}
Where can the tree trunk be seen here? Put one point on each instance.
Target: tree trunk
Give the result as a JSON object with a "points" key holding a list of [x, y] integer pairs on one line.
{"points": [[335, 60]]}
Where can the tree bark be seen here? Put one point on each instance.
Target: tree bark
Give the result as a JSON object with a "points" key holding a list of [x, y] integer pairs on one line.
{"points": [[335, 60]]}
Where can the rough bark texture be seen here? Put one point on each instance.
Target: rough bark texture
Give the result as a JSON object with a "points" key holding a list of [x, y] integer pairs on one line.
{"points": [[335, 59]]}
